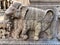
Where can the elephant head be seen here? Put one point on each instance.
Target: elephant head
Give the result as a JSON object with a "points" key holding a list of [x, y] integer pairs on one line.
{"points": [[13, 10]]}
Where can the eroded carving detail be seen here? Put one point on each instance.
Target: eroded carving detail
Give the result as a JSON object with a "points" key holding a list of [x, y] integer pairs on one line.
{"points": [[25, 18]]}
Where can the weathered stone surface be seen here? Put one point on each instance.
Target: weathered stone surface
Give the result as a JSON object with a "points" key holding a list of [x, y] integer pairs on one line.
{"points": [[46, 0], [38, 4], [31, 18]]}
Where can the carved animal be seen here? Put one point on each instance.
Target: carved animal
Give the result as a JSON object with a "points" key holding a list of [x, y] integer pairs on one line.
{"points": [[38, 20], [29, 18]]}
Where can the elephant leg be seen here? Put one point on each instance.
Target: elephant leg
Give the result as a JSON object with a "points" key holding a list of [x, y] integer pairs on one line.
{"points": [[17, 29], [13, 34], [37, 31], [24, 31]]}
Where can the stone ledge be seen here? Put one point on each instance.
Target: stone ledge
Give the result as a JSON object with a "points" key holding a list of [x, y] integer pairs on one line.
{"points": [[45, 0], [5, 41]]}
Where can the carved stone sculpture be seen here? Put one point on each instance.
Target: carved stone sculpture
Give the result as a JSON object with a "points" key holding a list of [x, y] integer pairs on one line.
{"points": [[29, 18], [14, 12], [38, 20]]}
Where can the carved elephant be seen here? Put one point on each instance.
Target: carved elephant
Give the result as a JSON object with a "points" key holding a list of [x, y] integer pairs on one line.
{"points": [[29, 18]]}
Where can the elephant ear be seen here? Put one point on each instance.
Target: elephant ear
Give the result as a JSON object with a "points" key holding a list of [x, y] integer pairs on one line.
{"points": [[16, 5], [23, 10], [48, 18]]}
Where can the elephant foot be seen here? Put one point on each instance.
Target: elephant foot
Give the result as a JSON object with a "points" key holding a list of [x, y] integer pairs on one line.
{"points": [[24, 37], [58, 37], [36, 38], [15, 37]]}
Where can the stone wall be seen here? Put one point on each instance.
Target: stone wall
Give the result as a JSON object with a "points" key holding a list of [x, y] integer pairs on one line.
{"points": [[45, 2]]}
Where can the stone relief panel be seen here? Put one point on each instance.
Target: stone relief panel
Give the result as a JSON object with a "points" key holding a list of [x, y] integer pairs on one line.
{"points": [[23, 19], [29, 23]]}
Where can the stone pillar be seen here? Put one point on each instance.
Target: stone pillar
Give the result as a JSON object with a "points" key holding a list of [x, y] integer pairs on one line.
{"points": [[5, 4], [2, 5]]}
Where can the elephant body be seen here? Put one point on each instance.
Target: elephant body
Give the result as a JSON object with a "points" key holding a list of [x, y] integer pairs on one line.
{"points": [[28, 18], [32, 20]]}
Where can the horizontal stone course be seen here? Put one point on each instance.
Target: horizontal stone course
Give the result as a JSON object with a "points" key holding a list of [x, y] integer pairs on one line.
{"points": [[45, 0]]}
